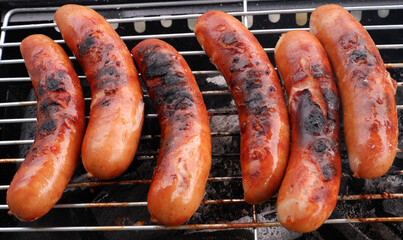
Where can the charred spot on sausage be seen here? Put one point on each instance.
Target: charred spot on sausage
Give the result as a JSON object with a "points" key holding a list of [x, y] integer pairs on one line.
{"points": [[157, 65], [41, 90], [49, 106], [311, 118], [317, 71], [106, 102], [332, 103], [229, 37], [172, 79], [48, 126], [254, 101], [320, 145], [328, 172], [253, 84], [107, 76], [86, 45]]}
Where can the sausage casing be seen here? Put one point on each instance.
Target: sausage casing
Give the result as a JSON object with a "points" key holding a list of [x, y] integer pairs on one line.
{"points": [[117, 108], [256, 89], [308, 193], [366, 90], [184, 158], [44, 174]]}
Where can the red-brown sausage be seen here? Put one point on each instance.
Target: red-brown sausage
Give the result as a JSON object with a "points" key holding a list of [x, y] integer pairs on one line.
{"points": [[42, 177], [117, 107], [366, 90], [256, 89], [308, 193], [184, 158]]}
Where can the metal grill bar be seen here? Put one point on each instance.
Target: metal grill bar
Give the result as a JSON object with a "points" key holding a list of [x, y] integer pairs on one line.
{"points": [[189, 16], [213, 202], [188, 227]]}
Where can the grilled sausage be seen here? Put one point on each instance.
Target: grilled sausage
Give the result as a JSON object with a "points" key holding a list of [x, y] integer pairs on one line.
{"points": [[366, 91], [44, 174], [117, 108], [259, 98], [308, 193], [184, 158]]}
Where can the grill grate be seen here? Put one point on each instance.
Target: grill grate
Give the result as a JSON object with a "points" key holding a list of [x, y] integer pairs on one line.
{"points": [[18, 22]]}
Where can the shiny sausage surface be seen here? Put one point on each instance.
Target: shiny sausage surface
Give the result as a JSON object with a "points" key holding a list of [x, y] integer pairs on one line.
{"points": [[184, 158], [117, 107], [366, 90], [44, 174], [308, 193], [255, 87]]}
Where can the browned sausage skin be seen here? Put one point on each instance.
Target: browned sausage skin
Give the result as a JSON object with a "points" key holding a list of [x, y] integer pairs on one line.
{"points": [[42, 177], [117, 107], [308, 193], [366, 90], [257, 92], [184, 158]]}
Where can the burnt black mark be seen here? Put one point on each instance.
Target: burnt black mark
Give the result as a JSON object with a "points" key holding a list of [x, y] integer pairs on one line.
{"points": [[170, 90], [109, 71], [184, 121], [52, 83], [312, 120], [272, 88], [107, 76], [235, 60], [157, 64], [267, 72], [49, 106], [172, 79], [86, 45], [261, 109], [320, 145], [140, 51], [328, 172], [47, 126], [358, 55], [176, 95], [241, 63], [254, 101], [332, 103], [41, 90], [148, 51], [106, 102], [229, 37], [317, 71], [361, 77], [55, 81], [253, 84]]}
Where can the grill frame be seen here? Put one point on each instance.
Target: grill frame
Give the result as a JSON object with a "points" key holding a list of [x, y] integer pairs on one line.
{"points": [[243, 13]]}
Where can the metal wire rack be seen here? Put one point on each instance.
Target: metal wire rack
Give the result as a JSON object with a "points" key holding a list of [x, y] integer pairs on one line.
{"points": [[140, 15]]}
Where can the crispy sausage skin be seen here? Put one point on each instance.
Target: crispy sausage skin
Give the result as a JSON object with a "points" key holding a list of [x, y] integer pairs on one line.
{"points": [[258, 94], [366, 91], [184, 158], [44, 174], [308, 193], [117, 107]]}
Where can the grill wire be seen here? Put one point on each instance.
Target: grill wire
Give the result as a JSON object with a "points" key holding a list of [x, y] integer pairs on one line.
{"points": [[247, 18]]}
